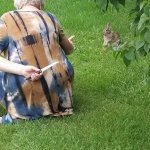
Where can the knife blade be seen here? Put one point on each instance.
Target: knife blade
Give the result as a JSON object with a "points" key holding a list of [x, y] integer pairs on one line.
{"points": [[49, 66]]}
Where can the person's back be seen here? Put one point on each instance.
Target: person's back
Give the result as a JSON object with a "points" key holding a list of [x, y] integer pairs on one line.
{"points": [[33, 38]]}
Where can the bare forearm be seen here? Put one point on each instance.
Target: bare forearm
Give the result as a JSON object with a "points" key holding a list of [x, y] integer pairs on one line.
{"points": [[10, 67], [19, 69]]}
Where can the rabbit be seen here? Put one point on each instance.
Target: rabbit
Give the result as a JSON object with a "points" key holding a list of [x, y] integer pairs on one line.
{"points": [[110, 37]]}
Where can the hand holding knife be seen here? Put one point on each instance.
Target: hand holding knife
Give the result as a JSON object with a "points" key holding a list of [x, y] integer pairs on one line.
{"points": [[44, 69]]}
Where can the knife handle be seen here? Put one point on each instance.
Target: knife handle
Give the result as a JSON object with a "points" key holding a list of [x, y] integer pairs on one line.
{"points": [[29, 78]]}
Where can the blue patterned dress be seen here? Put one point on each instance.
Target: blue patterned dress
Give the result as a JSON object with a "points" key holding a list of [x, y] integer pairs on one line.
{"points": [[32, 38]]}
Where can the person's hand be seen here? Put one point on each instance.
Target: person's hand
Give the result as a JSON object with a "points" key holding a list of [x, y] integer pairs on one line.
{"points": [[31, 72]]}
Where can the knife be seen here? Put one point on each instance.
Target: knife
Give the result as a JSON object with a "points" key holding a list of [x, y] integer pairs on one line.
{"points": [[49, 66], [44, 69]]}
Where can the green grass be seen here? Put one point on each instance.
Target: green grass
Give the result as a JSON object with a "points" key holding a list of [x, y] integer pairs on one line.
{"points": [[111, 102]]}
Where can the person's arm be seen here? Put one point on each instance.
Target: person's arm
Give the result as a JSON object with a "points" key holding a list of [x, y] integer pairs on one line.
{"points": [[19, 69], [67, 44]]}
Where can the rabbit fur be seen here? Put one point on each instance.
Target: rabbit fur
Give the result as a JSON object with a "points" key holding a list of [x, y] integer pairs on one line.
{"points": [[110, 37]]}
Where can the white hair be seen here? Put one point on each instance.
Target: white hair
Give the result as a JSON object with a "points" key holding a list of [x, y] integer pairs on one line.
{"points": [[20, 3]]}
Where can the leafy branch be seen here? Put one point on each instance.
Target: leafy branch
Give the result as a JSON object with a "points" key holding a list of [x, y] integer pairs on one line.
{"points": [[140, 46]]}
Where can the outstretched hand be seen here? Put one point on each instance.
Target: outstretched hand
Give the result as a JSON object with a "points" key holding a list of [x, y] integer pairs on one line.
{"points": [[32, 73]]}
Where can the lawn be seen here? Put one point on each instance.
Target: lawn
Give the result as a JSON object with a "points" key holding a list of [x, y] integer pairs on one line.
{"points": [[111, 102]]}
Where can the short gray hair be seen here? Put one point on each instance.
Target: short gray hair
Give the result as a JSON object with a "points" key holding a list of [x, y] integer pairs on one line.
{"points": [[20, 3]]}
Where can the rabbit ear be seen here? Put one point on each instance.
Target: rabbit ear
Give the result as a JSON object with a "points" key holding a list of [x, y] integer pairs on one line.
{"points": [[109, 25]]}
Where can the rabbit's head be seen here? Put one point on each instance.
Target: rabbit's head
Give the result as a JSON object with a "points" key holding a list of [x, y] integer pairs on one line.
{"points": [[107, 29]]}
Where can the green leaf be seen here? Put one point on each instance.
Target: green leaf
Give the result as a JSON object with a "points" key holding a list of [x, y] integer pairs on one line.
{"points": [[142, 4], [143, 31], [122, 2], [147, 9], [142, 21], [139, 44], [147, 47], [142, 52], [126, 61], [130, 55], [147, 36], [115, 3], [103, 4]]}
